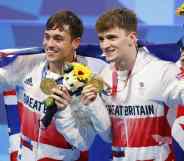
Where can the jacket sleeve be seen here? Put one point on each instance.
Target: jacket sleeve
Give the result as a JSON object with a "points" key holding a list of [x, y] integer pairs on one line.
{"points": [[173, 86], [100, 119], [80, 126], [12, 74]]}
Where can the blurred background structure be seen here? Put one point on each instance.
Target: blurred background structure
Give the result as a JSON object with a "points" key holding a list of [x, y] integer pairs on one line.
{"points": [[22, 22]]}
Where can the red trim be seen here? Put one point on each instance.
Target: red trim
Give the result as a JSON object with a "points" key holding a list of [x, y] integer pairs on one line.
{"points": [[114, 83], [48, 159], [13, 156], [182, 126], [146, 160], [180, 111], [83, 156], [9, 93], [139, 128], [26, 144]]}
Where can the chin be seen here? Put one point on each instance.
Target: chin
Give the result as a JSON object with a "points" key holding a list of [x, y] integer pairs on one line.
{"points": [[111, 59], [51, 59]]}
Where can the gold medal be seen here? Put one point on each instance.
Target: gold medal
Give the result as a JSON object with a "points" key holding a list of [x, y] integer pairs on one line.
{"points": [[97, 82], [46, 85]]}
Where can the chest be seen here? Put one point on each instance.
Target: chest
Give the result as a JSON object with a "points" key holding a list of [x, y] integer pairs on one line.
{"points": [[139, 96], [31, 94]]}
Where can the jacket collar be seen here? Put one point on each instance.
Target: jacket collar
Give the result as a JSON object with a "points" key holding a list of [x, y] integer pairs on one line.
{"points": [[143, 58]]}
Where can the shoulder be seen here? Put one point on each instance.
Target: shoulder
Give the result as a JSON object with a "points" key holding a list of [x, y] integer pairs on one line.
{"points": [[157, 63], [36, 70], [167, 70], [96, 64], [106, 73], [165, 66]]}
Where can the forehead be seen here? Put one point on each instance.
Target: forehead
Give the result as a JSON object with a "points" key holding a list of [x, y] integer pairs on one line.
{"points": [[58, 31], [113, 31]]}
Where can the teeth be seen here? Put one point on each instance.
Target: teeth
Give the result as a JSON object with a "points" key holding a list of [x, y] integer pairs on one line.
{"points": [[111, 50], [51, 51]]}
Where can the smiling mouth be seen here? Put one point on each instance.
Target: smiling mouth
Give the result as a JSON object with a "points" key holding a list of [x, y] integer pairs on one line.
{"points": [[51, 51], [109, 53]]}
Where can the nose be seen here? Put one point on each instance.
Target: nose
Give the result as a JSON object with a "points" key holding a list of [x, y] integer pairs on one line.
{"points": [[48, 43], [104, 44]]}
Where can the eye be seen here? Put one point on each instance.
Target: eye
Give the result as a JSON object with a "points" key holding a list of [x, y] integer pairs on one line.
{"points": [[112, 37], [66, 78], [46, 36], [58, 38], [100, 39], [71, 85]]}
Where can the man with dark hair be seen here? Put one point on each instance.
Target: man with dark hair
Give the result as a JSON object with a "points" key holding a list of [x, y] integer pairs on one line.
{"points": [[141, 88], [62, 37]]}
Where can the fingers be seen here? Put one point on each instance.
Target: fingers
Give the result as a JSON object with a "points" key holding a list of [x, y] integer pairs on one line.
{"points": [[89, 88], [62, 92], [88, 94], [87, 99], [61, 96]]}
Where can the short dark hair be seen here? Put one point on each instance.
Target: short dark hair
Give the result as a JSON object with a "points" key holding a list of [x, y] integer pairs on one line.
{"points": [[119, 17], [62, 18]]}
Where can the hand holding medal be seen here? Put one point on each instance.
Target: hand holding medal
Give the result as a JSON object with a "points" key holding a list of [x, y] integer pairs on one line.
{"points": [[97, 82], [46, 86], [76, 76]]}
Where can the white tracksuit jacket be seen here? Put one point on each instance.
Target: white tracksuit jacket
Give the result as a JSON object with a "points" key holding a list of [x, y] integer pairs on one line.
{"points": [[26, 73], [140, 129]]}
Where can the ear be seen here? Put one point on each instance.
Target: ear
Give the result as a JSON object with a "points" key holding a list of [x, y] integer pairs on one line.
{"points": [[76, 43], [133, 38]]}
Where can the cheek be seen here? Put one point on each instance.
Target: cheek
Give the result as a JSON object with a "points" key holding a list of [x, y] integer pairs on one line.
{"points": [[62, 46], [44, 43], [100, 44], [121, 49]]}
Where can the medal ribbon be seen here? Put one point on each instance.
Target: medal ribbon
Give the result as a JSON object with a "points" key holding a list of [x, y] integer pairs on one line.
{"points": [[115, 82]]}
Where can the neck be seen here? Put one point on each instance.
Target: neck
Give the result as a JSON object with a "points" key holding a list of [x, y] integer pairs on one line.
{"points": [[58, 66], [123, 65]]}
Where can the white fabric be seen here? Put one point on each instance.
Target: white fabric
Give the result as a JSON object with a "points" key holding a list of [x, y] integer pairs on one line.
{"points": [[25, 74], [14, 142], [178, 132], [137, 111]]}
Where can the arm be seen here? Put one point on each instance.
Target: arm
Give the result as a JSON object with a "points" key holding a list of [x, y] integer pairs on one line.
{"points": [[79, 123], [76, 127], [97, 112], [100, 118], [71, 121], [13, 73], [173, 86]]}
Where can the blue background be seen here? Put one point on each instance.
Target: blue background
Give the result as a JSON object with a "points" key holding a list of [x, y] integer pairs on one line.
{"points": [[22, 21], [22, 24]]}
